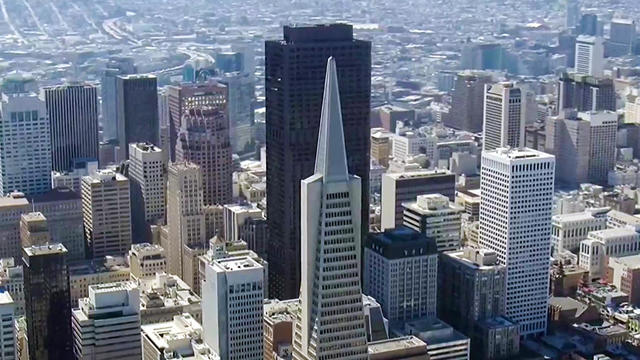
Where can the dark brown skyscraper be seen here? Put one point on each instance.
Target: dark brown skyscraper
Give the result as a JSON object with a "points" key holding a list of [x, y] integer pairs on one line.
{"points": [[47, 304], [295, 71], [467, 103]]}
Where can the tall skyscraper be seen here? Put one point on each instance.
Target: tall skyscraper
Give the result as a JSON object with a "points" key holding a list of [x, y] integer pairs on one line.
{"points": [[106, 206], [467, 101], [232, 297], [25, 140], [47, 304], [190, 96], [106, 325], [572, 13], [241, 95], [116, 66], [503, 116], [148, 176], [203, 139], [185, 216], [515, 222], [584, 145], [585, 93], [137, 111], [330, 323], [622, 37], [589, 25], [294, 105], [73, 115], [589, 55]]}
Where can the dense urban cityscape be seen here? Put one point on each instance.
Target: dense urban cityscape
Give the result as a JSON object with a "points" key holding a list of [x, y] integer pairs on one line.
{"points": [[319, 179]]}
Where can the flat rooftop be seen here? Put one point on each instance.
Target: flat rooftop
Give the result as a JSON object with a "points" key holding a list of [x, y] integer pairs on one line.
{"points": [[397, 344], [45, 250]]}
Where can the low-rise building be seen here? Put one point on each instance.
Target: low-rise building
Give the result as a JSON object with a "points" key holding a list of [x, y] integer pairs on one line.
{"points": [[437, 218], [12, 280], [279, 318], [568, 230], [402, 348], [166, 296], [443, 341], [624, 273], [84, 273], [146, 260], [178, 338], [606, 243]]}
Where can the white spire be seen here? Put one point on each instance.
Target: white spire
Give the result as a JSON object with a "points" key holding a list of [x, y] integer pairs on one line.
{"points": [[331, 155]]}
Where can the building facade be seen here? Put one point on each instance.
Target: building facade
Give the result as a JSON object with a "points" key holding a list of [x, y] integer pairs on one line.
{"points": [[437, 218], [503, 116]]}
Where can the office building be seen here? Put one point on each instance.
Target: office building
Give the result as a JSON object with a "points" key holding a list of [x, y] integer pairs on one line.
{"points": [[410, 144], [203, 139], [279, 318], [400, 271], [235, 215], [589, 55], [585, 93], [240, 108], [402, 348], [443, 341], [255, 232], [25, 139], [503, 116], [62, 208], [106, 325], [115, 66], [178, 338], [84, 273], [106, 206], [381, 147], [34, 230], [471, 287], [73, 117], [568, 230], [72, 178], [293, 110], [166, 296], [330, 286], [522, 242], [399, 188], [584, 145], [136, 111], [622, 37], [148, 176], [232, 296], [589, 25], [11, 209], [496, 338], [390, 116], [12, 280], [467, 101], [146, 260], [186, 97], [572, 13], [602, 244], [7, 317], [185, 217], [483, 56], [624, 273], [47, 306], [437, 218]]}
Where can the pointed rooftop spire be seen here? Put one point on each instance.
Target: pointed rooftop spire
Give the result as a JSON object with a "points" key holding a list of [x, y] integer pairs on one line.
{"points": [[331, 155]]}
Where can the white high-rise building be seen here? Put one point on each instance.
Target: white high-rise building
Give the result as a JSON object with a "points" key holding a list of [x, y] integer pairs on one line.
{"points": [[148, 170], [25, 140], [7, 332], [106, 325], [589, 55], [330, 323], [515, 222], [106, 205], [232, 310], [503, 116], [185, 216]]}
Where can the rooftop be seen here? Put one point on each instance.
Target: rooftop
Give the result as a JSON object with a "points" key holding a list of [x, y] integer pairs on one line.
{"points": [[390, 345], [56, 194], [517, 154], [237, 263], [45, 250]]}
